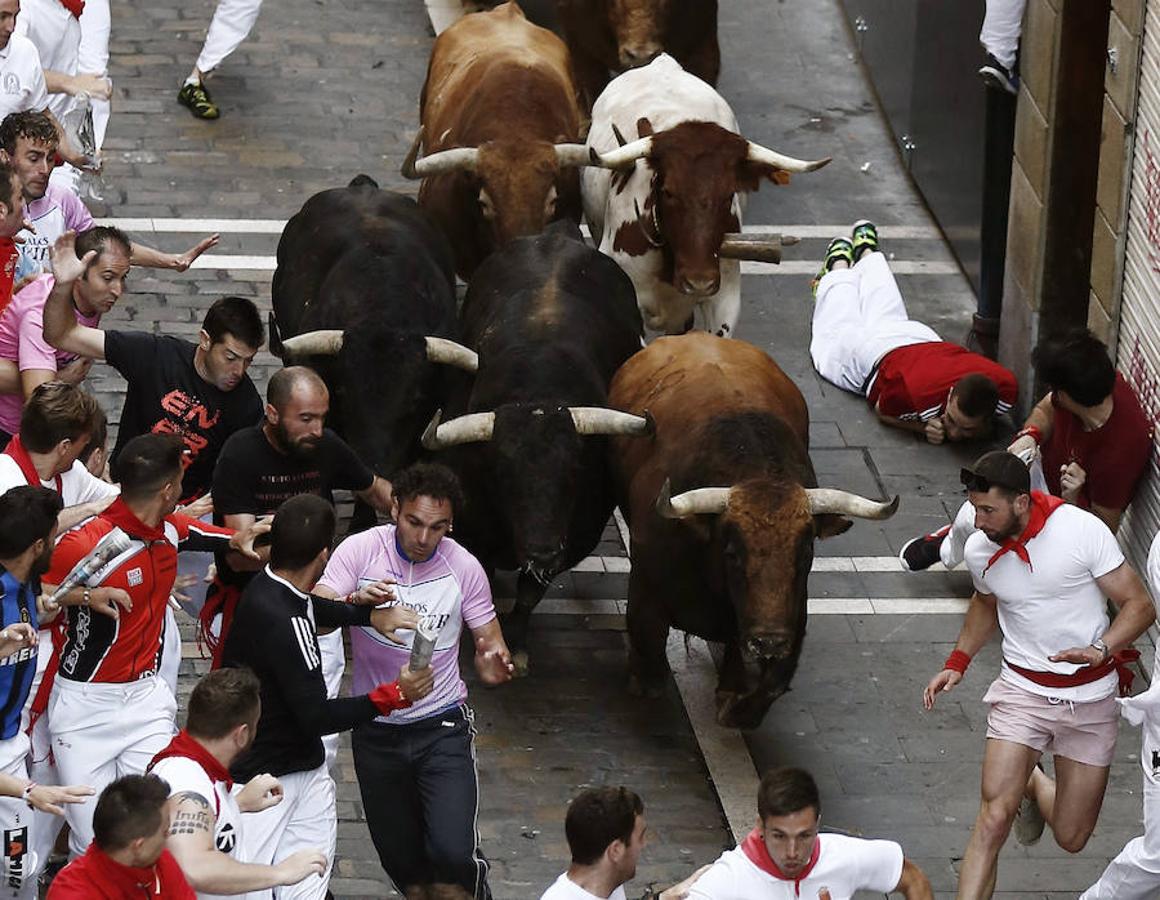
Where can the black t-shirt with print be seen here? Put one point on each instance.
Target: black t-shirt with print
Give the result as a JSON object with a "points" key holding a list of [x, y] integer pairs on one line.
{"points": [[167, 396]]}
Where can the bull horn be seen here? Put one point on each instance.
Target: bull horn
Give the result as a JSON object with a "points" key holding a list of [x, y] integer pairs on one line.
{"points": [[828, 500], [595, 420], [622, 157], [758, 247], [572, 155], [710, 501], [437, 163], [441, 350], [759, 154], [408, 169], [468, 429], [313, 343]]}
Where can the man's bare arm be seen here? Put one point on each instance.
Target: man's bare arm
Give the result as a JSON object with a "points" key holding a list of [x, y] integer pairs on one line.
{"points": [[913, 883], [238, 562], [378, 495], [152, 258]]}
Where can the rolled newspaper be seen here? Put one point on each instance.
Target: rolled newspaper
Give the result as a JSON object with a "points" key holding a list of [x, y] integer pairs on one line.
{"points": [[422, 647], [90, 565]]}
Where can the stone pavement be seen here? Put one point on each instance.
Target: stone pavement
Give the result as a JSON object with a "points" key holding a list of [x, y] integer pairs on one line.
{"points": [[324, 90]]}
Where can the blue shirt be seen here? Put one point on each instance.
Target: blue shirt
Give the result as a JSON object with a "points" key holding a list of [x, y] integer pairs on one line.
{"points": [[18, 605]]}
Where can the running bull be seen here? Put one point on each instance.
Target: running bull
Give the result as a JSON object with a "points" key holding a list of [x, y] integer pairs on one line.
{"points": [[500, 128], [616, 35], [723, 509], [552, 320], [671, 212], [364, 292]]}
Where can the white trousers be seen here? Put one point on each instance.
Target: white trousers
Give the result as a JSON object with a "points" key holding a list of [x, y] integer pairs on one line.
{"points": [[170, 651], [94, 57], [41, 764], [232, 21], [333, 665], [1002, 25], [306, 819], [1135, 873], [22, 830], [101, 732], [859, 317]]}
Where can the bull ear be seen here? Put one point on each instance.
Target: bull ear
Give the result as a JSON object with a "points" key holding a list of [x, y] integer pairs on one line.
{"points": [[643, 127], [750, 174], [829, 525]]}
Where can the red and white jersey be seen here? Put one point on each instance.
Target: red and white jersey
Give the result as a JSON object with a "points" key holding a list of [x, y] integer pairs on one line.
{"points": [[844, 866], [1053, 603], [913, 381]]}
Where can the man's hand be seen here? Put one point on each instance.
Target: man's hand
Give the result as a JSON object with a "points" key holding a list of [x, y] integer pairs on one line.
{"points": [[96, 86], [16, 637], [52, 799], [202, 506], [243, 540], [182, 261], [374, 594], [261, 792], [46, 610], [387, 621], [1025, 448], [65, 265], [680, 890], [76, 371], [934, 431], [1084, 656], [1071, 481], [941, 683], [416, 685], [300, 865], [109, 601], [493, 665]]}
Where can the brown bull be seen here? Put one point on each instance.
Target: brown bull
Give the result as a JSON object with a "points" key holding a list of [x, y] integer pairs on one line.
{"points": [[499, 125], [723, 509], [614, 35]]}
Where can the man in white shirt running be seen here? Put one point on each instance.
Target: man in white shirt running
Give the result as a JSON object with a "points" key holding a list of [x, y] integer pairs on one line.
{"points": [[1041, 569], [785, 858], [605, 828]]}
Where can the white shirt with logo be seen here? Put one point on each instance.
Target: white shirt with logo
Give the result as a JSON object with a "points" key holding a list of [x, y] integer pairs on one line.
{"points": [[21, 77], [564, 888]]}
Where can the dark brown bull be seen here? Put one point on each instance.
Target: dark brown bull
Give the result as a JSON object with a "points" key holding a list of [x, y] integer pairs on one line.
{"points": [[500, 123], [723, 508], [613, 35]]}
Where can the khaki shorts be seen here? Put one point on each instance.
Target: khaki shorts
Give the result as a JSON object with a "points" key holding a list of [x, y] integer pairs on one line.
{"points": [[1085, 732]]}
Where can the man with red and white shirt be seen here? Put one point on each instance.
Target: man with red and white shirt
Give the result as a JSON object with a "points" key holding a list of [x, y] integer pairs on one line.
{"points": [[865, 342], [785, 858], [108, 713], [1041, 569]]}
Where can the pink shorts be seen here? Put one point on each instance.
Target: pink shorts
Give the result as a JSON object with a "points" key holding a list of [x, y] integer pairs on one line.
{"points": [[1085, 732]]}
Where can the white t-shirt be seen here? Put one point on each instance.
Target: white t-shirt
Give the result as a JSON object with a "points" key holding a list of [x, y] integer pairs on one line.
{"points": [[845, 866], [1054, 603], [184, 775], [564, 888], [77, 485], [21, 77]]}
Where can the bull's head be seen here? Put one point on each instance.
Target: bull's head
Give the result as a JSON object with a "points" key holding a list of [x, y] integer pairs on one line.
{"points": [[516, 183], [698, 171], [537, 459], [639, 26], [761, 545]]}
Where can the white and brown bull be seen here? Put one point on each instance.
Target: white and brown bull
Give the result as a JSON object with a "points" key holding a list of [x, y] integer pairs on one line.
{"points": [[670, 212], [723, 508]]}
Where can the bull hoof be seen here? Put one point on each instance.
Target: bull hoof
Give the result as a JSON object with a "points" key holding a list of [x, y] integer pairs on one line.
{"points": [[520, 664], [646, 688]]}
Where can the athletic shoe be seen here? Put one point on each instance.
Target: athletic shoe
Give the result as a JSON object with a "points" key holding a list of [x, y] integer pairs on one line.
{"points": [[840, 248], [865, 236], [996, 75], [1028, 825], [196, 98], [923, 552]]}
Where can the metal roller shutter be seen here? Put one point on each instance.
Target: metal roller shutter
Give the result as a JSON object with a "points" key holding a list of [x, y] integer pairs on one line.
{"points": [[1138, 345]]}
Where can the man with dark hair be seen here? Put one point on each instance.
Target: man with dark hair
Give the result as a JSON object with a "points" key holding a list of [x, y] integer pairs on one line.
{"points": [[1041, 569], [274, 634], [108, 713], [200, 392], [11, 221], [207, 820], [865, 342], [605, 828], [416, 767], [27, 532], [1089, 432], [127, 857], [785, 856]]}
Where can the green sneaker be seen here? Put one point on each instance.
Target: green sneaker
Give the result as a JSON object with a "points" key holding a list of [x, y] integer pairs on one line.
{"points": [[196, 98], [840, 248], [865, 236]]}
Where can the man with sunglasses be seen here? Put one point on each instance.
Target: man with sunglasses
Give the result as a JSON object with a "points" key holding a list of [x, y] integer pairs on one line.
{"points": [[1041, 569]]}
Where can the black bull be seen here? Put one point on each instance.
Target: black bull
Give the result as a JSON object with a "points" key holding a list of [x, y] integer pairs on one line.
{"points": [[552, 320], [363, 281]]}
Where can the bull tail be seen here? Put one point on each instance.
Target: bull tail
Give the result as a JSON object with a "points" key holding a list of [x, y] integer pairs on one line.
{"points": [[275, 337]]}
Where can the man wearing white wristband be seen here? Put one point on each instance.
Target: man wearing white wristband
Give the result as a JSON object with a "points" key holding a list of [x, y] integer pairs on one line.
{"points": [[1041, 569]]}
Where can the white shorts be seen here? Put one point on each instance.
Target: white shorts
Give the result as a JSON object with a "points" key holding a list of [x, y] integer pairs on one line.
{"points": [[24, 852]]}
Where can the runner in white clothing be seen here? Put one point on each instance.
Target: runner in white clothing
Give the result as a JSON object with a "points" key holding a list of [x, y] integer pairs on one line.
{"points": [[1041, 570], [605, 828], [231, 24], [785, 858]]}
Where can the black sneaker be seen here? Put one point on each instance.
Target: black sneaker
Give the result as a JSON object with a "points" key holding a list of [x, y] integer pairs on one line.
{"points": [[195, 97], [921, 553], [996, 75], [865, 235], [839, 248]]}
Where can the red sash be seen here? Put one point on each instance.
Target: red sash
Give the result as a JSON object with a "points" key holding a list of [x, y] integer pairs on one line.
{"points": [[1042, 506], [19, 454], [1117, 662]]}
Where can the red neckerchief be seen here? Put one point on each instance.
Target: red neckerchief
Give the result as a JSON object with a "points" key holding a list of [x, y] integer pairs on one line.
{"points": [[757, 853], [188, 747], [17, 451], [1042, 506], [76, 7], [120, 515]]}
